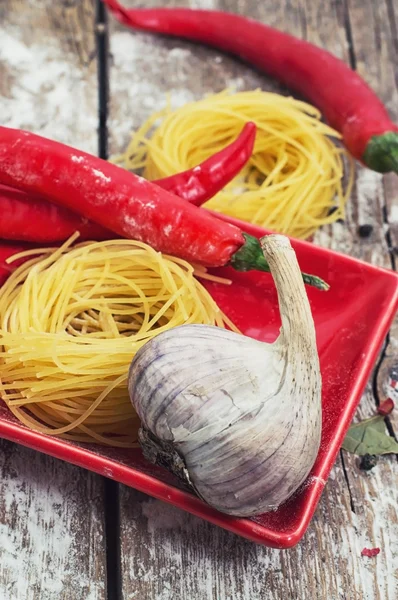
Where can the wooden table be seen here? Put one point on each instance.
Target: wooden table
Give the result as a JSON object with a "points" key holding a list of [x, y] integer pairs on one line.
{"points": [[69, 534]]}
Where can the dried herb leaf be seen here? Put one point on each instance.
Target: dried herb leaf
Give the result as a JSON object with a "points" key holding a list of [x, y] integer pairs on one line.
{"points": [[369, 437]]}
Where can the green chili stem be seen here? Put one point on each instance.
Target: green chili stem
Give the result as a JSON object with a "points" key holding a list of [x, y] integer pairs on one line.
{"points": [[381, 153], [250, 257]]}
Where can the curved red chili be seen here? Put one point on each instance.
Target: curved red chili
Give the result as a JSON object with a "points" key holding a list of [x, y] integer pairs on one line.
{"points": [[125, 203], [27, 218], [201, 183], [342, 95]]}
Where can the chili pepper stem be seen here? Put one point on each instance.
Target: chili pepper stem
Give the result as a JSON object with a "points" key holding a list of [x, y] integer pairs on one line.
{"points": [[250, 257], [381, 153]]}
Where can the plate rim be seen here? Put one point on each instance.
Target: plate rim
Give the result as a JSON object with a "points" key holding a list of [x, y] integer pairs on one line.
{"points": [[149, 484]]}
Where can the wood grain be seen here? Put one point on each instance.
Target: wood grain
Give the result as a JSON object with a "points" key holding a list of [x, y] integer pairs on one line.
{"points": [[52, 542], [48, 84], [51, 528], [375, 41], [166, 553], [376, 50]]}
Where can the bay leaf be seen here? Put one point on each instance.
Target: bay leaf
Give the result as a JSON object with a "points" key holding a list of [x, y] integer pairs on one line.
{"points": [[369, 437]]}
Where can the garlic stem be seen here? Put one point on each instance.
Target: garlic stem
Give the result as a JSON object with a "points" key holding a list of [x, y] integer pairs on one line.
{"points": [[293, 302], [250, 256]]}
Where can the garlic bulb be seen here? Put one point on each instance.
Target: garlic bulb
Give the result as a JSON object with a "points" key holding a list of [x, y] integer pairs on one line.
{"points": [[239, 420]]}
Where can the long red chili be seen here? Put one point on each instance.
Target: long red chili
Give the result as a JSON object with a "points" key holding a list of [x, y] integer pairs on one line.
{"points": [[342, 95], [7, 250], [114, 198], [125, 203], [27, 218]]}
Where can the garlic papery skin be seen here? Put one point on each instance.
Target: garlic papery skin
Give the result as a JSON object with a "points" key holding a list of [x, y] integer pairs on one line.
{"points": [[238, 419]]}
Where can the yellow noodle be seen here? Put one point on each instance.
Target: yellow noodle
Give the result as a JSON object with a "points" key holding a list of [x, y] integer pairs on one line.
{"points": [[291, 184], [71, 320]]}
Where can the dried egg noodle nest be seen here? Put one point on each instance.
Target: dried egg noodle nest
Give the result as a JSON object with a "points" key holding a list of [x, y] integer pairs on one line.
{"points": [[293, 182], [72, 320]]}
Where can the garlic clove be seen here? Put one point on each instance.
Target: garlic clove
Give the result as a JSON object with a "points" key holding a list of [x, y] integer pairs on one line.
{"points": [[237, 419]]}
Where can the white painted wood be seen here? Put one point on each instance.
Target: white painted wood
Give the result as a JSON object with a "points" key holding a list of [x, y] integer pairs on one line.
{"points": [[51, 514], [51, 528]]}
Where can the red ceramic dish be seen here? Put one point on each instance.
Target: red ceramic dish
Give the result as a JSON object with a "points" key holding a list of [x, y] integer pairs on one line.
{"points": [[351, 321]]}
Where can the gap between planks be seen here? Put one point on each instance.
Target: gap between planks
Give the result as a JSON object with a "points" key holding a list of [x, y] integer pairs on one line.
{"points": [[111, 488]]}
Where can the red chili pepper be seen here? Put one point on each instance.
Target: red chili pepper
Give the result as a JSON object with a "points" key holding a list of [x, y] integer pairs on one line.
{"points": [[6, 251], [342, 95], [125, 203], [114, 198], [27, 218], [201, 183]]}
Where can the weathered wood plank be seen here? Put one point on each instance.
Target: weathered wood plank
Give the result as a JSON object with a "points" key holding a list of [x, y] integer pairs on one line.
{"points": [[374, 41], [372, 493], [52, 542], [180, 556], [168, 554], [376, 50], [48, 71], [51, 528], [374, 35]]}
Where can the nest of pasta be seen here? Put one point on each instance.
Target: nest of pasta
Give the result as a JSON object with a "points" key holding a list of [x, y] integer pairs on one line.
{"points": [[71, 320], [294, 181]]}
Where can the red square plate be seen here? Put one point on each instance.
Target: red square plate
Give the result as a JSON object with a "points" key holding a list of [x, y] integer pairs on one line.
{"points": [[351, 321]]}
